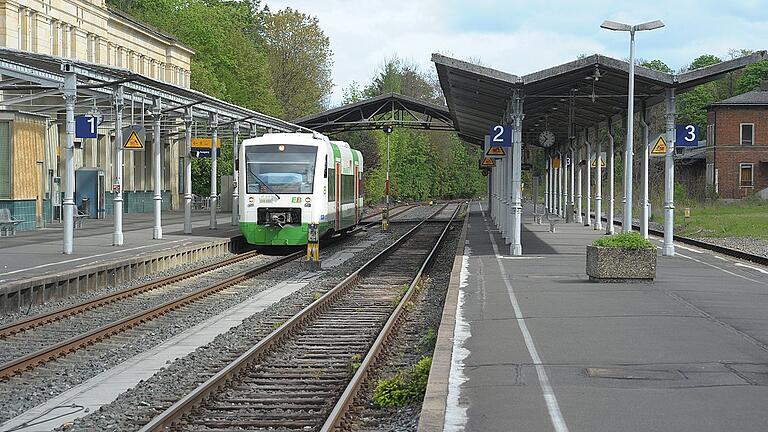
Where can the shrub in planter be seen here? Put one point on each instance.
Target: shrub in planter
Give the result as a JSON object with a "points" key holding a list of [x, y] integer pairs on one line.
{"points": [[621, 257]]}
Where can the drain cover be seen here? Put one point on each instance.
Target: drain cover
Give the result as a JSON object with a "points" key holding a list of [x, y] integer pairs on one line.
{"points": [[632, 374]]}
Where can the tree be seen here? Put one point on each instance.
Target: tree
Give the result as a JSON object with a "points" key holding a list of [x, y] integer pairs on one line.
{"points": [[300, 58], [753, 75], [403, 77], [703, 61], [656, 65], [692, 105]]}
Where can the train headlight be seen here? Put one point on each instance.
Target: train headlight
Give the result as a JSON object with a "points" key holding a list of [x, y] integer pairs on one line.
{"points": [[281, 147], [307, 200]]}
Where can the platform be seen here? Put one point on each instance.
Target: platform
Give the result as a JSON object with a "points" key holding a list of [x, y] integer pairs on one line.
{"points": [[536, 346]]}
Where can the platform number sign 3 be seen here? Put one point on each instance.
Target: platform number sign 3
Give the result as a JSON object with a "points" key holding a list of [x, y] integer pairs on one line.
{"points": [[86, 126], [687, 135], [501, 136]]}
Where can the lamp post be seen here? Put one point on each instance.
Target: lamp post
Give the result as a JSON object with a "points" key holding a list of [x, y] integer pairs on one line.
{"points": [[615, 26], [388, 129]]}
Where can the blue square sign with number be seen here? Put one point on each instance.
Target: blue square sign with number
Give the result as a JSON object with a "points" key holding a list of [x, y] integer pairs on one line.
{"points": [[86, 127], [501, 136], [687, 135]]}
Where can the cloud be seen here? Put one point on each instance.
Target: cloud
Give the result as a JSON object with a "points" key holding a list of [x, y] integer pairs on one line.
{"points": [[514, 37]]}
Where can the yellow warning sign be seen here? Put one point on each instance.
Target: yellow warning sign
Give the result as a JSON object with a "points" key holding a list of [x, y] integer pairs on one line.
{"points": [[660, 148], [487, 162], [133, 142], [205, 143], [602, 161], [556, 163], [496, 151]]}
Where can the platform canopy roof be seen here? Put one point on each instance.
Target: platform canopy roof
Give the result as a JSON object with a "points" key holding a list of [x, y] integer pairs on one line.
{"points": [[33, 83], [373, 113], [596, 86]]}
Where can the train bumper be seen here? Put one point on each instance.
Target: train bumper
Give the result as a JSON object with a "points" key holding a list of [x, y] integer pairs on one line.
{"points": [[288, 235]]}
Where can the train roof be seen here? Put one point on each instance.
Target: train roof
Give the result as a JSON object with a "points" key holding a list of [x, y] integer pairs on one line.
{"points": [[288, 138]]}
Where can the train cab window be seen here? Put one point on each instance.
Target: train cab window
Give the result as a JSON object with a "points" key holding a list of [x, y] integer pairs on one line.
{"points": [[331, 185], [347, 189], [280, 168]]}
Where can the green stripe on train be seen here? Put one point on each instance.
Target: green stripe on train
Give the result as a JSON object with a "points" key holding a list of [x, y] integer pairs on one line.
{"points": [[289, 235]]}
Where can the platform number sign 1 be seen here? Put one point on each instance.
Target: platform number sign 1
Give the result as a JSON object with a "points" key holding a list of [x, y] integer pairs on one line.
{"points": [[501, 136], [687, 135], [86, 126]]}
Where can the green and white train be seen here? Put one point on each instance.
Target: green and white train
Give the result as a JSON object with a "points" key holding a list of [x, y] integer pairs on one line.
{"points": [[290, 180]]}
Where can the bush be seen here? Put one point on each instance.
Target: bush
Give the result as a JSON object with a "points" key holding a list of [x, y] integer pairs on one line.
{"points": [[629, 240], [404, 387]]}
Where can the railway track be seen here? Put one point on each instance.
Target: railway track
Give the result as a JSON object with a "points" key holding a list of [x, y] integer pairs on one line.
{"points": [[37, 340], [305, 374]]}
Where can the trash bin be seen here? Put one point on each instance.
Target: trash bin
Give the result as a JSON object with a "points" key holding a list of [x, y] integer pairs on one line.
{"points": [[569, 213]]}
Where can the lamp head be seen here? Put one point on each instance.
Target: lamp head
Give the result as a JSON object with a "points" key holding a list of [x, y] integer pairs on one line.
{"points": [[615, 26]]}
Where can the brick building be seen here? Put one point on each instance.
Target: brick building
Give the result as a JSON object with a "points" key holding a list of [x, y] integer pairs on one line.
{"points": [[737, 150]]}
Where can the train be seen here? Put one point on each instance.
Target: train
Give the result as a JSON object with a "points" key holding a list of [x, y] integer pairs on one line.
{"points": [[291, 180]]}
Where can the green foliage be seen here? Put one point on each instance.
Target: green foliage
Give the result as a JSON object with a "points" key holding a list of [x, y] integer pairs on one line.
{"points": [[752, 76], [656, 65], [299, 55], [704, 61], [429, 340], [629, 240], [404, 387]]}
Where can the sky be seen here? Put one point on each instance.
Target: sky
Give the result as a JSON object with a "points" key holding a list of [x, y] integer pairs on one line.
{"points": [[521, 37]]}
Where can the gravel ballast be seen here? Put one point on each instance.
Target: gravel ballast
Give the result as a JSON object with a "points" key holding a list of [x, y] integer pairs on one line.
{"points": [[138, 405]]}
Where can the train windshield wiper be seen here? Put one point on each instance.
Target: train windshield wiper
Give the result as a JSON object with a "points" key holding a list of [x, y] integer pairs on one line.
{"points": [[250, 170]]}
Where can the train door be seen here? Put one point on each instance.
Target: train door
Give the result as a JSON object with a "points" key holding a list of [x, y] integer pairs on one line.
{"points": [[338, 196], [357, 193]]}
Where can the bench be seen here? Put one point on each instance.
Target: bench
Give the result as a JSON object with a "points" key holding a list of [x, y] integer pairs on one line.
{"points": [[553, 219], [8, 223]]}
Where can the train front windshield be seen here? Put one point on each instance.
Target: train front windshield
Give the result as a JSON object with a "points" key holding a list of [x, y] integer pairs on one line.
{"points": [[280, 168]]}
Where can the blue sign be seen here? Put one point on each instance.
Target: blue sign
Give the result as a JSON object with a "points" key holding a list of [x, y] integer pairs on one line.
{"points": [[501, 136], [687, 135], [200, 153], [86, 126]]}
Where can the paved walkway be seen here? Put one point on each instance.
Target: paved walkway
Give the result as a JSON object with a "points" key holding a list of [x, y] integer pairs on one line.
{"points": [[37, 253], [538, 347]]}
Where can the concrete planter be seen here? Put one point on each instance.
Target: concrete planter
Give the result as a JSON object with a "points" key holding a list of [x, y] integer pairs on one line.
{"points": [[608, 264]]}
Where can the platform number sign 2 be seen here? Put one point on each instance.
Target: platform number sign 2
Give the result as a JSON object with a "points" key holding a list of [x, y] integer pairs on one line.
{"points": [[86, 126], [501, 136], [687, 135]]}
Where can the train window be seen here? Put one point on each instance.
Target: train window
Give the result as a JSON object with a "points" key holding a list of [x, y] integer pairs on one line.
{"points": [[331, 185], [283, 168], [347, 189]]}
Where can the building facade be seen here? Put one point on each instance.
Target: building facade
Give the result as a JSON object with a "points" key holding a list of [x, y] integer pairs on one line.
{"points": [[31, 164], [737, 150]]}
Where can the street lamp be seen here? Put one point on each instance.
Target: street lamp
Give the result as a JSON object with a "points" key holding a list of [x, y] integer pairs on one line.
{"points": [[615, 26]]}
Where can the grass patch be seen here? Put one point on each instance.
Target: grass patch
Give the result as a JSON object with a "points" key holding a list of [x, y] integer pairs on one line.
{"points": [[628, 240], [405, 387], [429, 340], [746, 218]]}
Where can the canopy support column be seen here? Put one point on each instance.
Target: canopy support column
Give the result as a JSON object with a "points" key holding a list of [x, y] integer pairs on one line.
{"points": [[546, 186], [669, 177], [157, 166], [588, 180], [611, 179], [235, 183], [644, 205], [516, 248], [579, 183], [70, 98], [188, 171], [598, 181], [214, 122], [117, 234]]}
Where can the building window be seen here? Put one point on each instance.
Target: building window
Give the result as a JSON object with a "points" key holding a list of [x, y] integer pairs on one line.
{"points": [[5, 160], [746, 175], [747, 134]]}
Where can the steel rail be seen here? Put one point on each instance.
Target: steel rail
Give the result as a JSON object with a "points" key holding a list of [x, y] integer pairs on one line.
{"points": [[347, 398], [75, 343], [187, 403], [59, 314]]}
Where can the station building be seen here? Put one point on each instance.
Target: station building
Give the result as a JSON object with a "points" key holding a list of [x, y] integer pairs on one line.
{"points": [[737, 145], [30, 158]]}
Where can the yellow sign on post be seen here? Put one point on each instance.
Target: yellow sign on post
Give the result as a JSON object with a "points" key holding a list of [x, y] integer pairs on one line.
{"points": [[205, 143], [556, 163], [496, 152], [487, 162], [133, 142], [660, 147]]}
